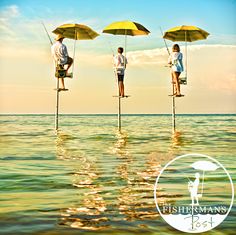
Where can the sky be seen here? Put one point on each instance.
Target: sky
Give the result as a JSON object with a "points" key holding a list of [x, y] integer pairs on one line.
{"points": [[27, 81]]}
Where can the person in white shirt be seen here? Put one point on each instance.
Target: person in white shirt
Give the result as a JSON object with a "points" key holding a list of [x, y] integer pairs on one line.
{"points": [[175, 61], [120, 63], [61, 57]]}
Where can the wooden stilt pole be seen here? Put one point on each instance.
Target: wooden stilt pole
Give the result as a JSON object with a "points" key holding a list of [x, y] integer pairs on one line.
{"points": [[173, 109], [119, 114], [57, 106]]}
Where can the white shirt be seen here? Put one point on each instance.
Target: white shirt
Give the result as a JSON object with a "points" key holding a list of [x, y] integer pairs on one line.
{"points": [[120, 63], [175, 59], [59, 52]]}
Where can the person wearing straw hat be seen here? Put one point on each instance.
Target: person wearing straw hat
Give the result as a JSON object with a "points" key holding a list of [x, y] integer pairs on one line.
{"points": [[175, 61], [61, 57], [120, 63]]}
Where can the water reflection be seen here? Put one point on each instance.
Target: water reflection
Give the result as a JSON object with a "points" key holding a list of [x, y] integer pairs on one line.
{"points": [[177, 140], [135, 197], [125, 194], [119, 147], [63, 140], [88, 214]]}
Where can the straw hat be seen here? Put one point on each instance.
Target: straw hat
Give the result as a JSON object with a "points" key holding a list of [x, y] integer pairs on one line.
{"points": [[58, 37]]}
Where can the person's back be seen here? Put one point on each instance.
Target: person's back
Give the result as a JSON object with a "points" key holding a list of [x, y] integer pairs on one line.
{"points": [[120, 63], [59, 52]]}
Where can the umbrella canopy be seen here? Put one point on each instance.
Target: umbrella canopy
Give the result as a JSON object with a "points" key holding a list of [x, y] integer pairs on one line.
{"points": [[126, 28], [185, 33], [76, 31], [204, 166]]}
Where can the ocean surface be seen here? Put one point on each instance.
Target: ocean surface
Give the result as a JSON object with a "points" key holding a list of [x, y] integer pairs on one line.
{"points": [[91, 179]]}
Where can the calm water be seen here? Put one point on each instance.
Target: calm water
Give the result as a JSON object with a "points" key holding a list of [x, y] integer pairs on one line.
{"points": [[91, 179]]}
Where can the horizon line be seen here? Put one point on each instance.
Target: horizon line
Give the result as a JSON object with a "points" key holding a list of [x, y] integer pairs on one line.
{"points": [[116, 114]]}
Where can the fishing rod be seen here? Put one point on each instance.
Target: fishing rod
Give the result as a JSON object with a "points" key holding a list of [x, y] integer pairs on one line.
{"points": [[47, 33], [164, 41], [110, 46]]}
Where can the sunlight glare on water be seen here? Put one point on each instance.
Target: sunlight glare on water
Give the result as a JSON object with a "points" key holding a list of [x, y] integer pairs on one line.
{"points": [[89, 177]]}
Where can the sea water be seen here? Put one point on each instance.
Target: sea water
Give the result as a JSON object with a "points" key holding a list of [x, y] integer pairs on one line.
{"points": [[90, 178]]}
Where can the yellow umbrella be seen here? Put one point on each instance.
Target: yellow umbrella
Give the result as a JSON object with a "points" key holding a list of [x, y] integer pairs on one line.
{"points": [[185, 33], [126, 28], [76, 31]]}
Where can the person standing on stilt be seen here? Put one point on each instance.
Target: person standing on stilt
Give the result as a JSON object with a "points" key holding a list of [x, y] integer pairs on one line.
{"points": [[175, 61], [120, 62], [61, 58]]}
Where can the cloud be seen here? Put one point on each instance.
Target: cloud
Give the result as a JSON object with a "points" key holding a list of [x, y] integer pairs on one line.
{"points": [[211, 80], [148, 57], [211, 66], [7, 14], [159, 56]]}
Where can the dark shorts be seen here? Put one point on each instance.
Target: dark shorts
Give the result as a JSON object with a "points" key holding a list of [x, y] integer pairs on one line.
{"points": [[69, 60], [120, 77]]}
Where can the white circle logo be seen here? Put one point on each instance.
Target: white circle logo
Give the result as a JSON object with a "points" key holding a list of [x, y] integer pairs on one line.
{"points": [[194, 193]]}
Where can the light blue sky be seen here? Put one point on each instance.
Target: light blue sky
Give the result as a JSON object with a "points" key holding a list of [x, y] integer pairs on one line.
{"points": [[215, 16]]}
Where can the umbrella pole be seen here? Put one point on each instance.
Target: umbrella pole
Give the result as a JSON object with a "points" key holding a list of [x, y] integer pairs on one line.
{"points": [[186, 54], [74, 55], [125, 41], [57, 106]]}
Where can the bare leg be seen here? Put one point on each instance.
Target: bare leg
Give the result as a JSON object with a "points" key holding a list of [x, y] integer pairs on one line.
{"points": [[122, 89], [62, 83], [70, 62], [176, 80], [174, 84], [68, 66]]}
